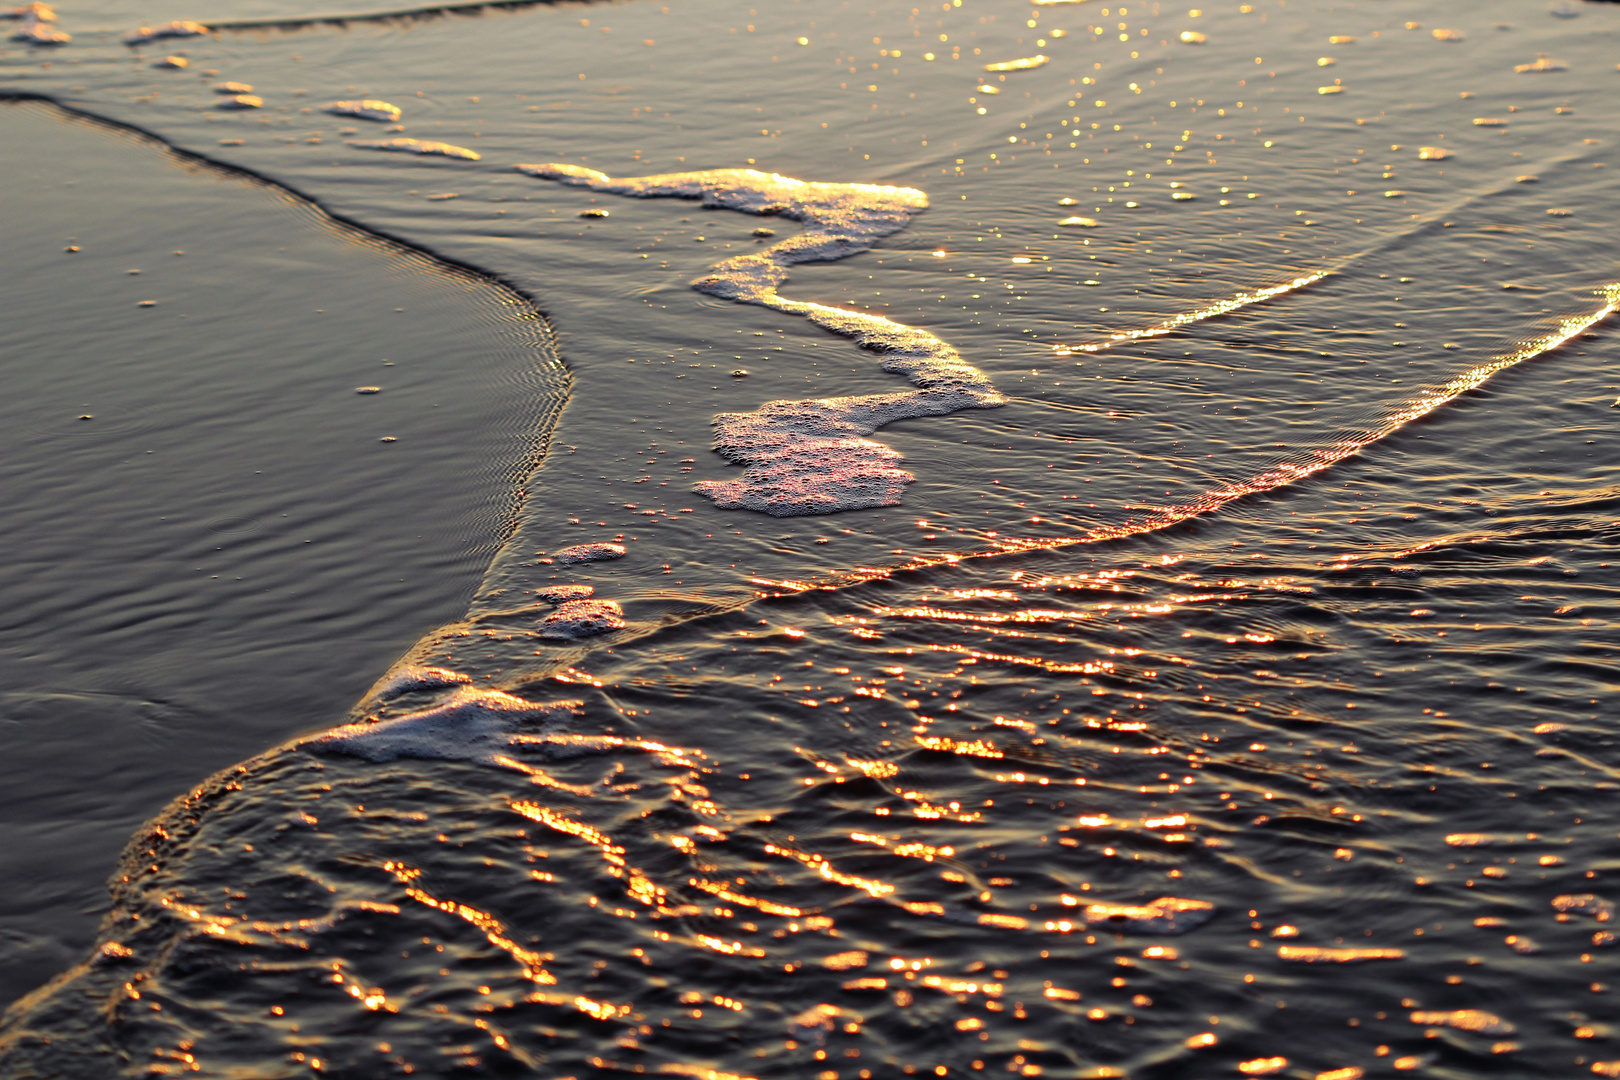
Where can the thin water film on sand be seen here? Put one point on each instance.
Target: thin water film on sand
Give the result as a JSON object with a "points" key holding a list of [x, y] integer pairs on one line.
{"points": [[1204, 673]]}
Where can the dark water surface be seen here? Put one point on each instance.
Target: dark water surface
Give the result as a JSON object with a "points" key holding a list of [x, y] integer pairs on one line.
{"points": [[1299, 611], [207, 546]]}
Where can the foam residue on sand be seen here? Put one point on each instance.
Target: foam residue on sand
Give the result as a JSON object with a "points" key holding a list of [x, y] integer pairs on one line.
{"points": [[417, 146], [412, 677], [812, 457], [175, 29], [471, 725], [578, 553], [368, 109], [582, 618], [38, 25]]}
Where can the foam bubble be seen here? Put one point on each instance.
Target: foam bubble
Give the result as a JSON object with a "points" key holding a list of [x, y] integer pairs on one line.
{"points": [[473, 725], [38, 25], [418, 146], [411, 677], [1166, 915], [559, 593], [175, 29], [39, 32], [588, 553], [811, 457], [368, 109], [582, 618]]}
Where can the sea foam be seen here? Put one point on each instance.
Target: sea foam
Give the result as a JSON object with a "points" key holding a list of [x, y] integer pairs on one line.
{"points": [[368, 109], [579, 553], [175, 29], [582, 618], [38, 25], [412, 677], [812, 457], [471, 725], [417, 146]]}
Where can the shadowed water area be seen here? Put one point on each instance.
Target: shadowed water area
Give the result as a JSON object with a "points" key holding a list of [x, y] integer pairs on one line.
{"points": [[1225, 689]]}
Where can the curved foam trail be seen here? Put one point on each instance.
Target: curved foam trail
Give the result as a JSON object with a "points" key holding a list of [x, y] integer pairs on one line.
{"points": [[812, 457], [1215, 310]]}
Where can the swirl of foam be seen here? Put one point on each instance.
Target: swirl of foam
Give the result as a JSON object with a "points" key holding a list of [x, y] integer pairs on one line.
{"points": [[811, 456]]}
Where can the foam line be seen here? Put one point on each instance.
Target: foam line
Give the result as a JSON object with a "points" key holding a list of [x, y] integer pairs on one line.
{"points": [[1211, 311], [812, 456], [1349, 445]]}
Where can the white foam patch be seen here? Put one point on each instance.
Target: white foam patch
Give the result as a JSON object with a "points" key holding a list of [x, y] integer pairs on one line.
{"points": [[414, 677], [812, 457], [559, 593], [417, 146], [473, 725], [176, 29], [38, 25], [588, 553], [369, 109], [582, 618]]}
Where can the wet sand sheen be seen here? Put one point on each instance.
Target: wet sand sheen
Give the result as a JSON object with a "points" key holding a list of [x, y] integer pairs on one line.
{"points": [[208, 546]]}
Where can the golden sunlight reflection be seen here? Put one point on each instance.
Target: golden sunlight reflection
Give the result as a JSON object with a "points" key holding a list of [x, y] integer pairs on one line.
{"points": [[1170, 326]]}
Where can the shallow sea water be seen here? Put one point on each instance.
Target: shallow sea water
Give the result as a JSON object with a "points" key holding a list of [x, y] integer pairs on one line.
{"points": [[1300, 610]]}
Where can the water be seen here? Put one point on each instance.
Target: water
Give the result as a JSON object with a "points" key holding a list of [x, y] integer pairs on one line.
{"points": [[1279, 586]]}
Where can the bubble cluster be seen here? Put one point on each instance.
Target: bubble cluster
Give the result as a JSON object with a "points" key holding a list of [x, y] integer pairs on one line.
{"points": [[582, 618], [367, 109], [579, 553], [38, 25]]}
